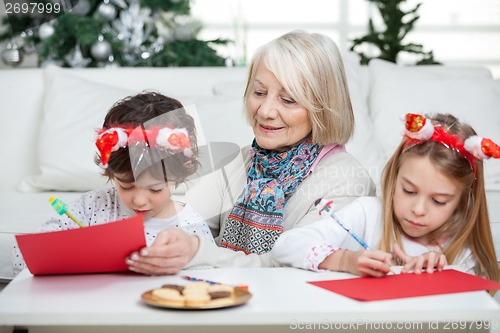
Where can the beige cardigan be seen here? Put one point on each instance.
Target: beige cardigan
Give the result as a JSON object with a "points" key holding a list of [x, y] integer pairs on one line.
{"points": [[338, 176]]}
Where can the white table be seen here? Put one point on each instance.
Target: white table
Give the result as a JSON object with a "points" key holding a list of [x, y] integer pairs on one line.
{"points": [[282, 301]]}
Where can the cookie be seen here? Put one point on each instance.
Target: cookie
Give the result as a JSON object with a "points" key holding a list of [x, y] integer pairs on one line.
{"points": [[169, 296], [196, 299], [174, 286], [198, 285], [219, 294], [221, 287]]}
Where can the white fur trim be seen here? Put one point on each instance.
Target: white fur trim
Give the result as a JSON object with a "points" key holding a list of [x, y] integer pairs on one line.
{"points": [[162, 138], [473, 145], [165, 133], [424, 133], [122, 138]]}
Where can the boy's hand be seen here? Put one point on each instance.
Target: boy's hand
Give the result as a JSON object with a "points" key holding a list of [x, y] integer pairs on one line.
{"points": [[169, 253], [425, 262], [364, 262]]}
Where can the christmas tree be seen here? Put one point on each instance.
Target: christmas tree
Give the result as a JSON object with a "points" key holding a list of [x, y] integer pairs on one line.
{"points": [[97, 33], [389, 41]]}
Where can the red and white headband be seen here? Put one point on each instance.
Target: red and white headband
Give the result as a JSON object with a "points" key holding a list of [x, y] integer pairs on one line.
{"points": [[175, 140], [419, 129]]}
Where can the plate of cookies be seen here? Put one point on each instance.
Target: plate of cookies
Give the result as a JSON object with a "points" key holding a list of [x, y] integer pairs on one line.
{"points": [[196, 296]]}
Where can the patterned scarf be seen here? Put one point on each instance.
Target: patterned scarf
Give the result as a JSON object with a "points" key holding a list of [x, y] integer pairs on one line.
{"points": [[255, 222]]}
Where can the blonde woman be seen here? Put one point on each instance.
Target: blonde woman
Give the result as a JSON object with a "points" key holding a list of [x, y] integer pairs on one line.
{"points": [[297, 102]]}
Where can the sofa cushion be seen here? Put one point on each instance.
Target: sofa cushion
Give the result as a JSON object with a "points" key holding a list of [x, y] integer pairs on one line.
{"points": [[72, 109], [21, 96], [363, 145], [223, 120], [463, 92], [66, 153]]}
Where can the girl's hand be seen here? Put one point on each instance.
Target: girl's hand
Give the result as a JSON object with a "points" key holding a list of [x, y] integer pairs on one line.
{"points": [[364, 262], [169, 253], [425, 262]]}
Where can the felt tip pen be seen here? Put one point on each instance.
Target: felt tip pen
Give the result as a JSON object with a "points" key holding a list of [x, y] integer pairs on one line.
{"points": [[193, 279], [62, 208], [324, 208]]}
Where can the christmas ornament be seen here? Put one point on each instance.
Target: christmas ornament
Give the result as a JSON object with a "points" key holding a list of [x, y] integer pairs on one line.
{"points": [[107, 11], [82, 8], [120, 3], [133, 27], [76, 58], [28, 44], [45, 31], [12, 56], [186, 27], [101, 49], [136, 33]]}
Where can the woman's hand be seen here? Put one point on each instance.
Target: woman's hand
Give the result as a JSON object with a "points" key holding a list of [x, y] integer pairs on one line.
{"points": [[425, 262], [169, 253], [364, 262]]}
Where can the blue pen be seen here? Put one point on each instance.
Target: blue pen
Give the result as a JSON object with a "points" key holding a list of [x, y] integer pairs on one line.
{"points": [[324, 208]]}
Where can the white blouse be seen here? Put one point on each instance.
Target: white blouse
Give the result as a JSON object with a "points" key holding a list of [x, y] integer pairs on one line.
{"points": [[308, 246]]}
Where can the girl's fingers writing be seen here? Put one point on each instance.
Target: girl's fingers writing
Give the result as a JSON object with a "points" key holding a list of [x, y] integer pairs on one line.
{"points": [[400, 253]]}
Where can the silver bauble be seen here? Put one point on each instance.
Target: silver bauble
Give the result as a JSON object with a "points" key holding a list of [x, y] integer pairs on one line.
{"points": [[101, 50], [107, 11], [82, 8], [45, 31], [183, 32], [12, 56]]}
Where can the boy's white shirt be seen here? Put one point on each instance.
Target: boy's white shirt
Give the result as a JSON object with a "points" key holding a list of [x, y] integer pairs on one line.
{"points": [[364, 218]]}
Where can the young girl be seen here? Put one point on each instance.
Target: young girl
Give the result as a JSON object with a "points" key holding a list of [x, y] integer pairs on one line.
{"points": [[432, 213], [147, 146]]}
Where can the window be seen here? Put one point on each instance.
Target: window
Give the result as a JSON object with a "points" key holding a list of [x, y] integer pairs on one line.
{"points": [[459, 32]]}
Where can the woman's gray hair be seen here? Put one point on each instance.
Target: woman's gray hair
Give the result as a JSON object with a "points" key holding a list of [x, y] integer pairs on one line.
{"points": [[310, 69]]}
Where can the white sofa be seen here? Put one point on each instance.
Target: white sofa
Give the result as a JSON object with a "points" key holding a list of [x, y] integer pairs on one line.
{"points": [[48, 118]]}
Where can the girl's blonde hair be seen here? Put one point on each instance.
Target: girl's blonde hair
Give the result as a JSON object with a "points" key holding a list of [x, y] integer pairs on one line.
{"points": [[469, 225], [310, 69]]}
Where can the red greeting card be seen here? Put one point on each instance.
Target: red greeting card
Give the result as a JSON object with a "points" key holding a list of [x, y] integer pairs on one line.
{"points": [[407, 285], [95, 249]]}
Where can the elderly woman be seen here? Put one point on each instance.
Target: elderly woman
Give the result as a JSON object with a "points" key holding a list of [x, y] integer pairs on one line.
{"points": [[297, 102]]}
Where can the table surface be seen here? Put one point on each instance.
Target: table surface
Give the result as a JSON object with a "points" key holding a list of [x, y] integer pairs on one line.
{"points": [[280, 296]]}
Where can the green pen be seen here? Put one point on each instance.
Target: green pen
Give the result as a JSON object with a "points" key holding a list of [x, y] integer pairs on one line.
{"points": [[62, 208]]}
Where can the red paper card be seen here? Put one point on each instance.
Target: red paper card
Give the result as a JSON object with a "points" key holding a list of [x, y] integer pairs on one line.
{"points": [[407, 285], [95, 249]]}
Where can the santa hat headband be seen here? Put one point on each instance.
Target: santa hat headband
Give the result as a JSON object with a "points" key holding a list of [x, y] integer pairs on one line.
{"points": [[171, 139], [419, 129]]}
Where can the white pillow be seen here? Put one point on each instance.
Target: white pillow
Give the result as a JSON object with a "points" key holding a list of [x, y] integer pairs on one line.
{"points": [[222, 119], [363, 144], [73, 109], [468, 93]]}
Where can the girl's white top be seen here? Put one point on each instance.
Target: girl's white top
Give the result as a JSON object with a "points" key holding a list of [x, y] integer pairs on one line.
{"points": [[308, 246]]}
